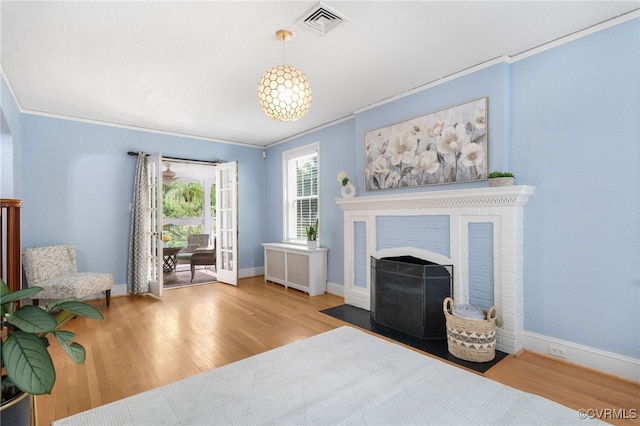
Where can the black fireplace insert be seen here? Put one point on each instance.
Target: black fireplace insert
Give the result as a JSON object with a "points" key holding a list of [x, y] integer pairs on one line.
{"points": [[407, 294]]}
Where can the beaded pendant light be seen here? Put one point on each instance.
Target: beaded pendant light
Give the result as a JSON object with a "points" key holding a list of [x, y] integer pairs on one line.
{"points": [[284, 93]]}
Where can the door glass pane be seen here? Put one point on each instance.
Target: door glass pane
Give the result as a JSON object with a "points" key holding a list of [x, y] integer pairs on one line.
{"points": [[183, 200], [227, 260], [226, 199], [177, 235]]}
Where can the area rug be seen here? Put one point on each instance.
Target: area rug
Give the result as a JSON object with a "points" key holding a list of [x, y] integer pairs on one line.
{"points": [[362, 319], [183, 278], [343, 376]]}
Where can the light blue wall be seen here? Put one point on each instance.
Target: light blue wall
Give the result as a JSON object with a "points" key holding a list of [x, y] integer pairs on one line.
{"points": [[78, 180], [566, 121], [10, 156], [575, 133], [491, 82]]}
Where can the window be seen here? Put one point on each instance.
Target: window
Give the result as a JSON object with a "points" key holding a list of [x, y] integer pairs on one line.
{"points": [[300, 191]]}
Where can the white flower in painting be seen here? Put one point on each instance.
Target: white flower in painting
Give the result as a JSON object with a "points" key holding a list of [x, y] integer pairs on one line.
{"points": [[417, 127], [402, 147], [380, 166], [376, 143], [480, 119], [380, 148], [392, 180], [472, 155], [426, 162], [453, 139], [436, 128], [368, 146]]}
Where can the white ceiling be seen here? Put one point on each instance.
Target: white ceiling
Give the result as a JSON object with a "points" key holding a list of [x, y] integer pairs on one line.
{"points": [[193, 67]]}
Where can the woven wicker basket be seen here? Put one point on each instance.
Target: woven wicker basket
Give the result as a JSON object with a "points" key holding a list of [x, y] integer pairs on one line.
{"points": [[468, 339]]}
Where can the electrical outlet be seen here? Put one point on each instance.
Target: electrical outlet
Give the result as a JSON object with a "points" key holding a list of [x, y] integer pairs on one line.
{"points": [[557, 351]]}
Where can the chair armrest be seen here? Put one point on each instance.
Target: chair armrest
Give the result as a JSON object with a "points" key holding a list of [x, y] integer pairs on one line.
{"points": [[204, 250]]}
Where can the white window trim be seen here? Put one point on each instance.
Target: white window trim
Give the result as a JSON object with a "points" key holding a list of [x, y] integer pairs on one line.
{"points": [[286, 156]]}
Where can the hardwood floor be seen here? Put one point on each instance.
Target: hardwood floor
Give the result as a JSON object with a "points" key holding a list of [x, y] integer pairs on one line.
{"points": [[144, 343]]}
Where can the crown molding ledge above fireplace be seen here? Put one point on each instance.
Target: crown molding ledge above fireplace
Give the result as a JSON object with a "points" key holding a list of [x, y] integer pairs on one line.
{"points": [[365, 219], [474, 197]]}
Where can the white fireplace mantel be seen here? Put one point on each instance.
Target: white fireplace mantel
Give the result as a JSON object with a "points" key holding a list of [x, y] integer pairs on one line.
{"points": [[502, 206], [458, 198]]}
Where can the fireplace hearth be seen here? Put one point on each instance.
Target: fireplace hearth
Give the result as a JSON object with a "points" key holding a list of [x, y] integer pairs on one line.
{"points": [[407, 294]]}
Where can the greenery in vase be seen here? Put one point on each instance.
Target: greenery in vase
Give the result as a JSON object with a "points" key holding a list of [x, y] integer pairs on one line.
{"points": [[500, 174], [342, 178], [25, 353]]}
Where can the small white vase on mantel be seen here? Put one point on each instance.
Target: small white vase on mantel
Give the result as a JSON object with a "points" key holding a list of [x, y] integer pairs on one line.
{"points": [[312, 244], [501, 181], [348, 190]]}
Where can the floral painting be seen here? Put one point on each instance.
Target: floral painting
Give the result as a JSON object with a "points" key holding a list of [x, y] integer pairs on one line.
{"points": [[442, 147]]}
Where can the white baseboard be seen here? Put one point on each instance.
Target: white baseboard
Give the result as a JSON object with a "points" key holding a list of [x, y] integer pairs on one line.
{"points": [[337, 289], [118, 290], [596, 359], [251, 272]]}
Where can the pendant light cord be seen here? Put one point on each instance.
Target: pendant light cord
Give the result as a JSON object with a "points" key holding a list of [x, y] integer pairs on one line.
{"points": [[284, 40]]}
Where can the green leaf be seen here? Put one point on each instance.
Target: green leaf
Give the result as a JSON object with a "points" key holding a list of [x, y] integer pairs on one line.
{"points": [[19, 294], [32, 319], [75, 351], [82, 309], [64, 336], [28, 362], [52, 306]]}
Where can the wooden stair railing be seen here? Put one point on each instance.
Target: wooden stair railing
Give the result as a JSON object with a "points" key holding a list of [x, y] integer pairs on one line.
{"points": [[10, 261]]}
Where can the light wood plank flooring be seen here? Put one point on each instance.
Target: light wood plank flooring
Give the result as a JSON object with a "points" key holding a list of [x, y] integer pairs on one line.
{"points": [[144, 343]]}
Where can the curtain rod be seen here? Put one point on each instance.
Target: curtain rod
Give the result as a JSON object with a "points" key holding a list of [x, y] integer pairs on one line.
{"points": [[186, 160]]}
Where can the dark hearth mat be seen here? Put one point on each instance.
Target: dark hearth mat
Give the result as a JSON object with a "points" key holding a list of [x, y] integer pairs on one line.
{"points": [[362, 319]]}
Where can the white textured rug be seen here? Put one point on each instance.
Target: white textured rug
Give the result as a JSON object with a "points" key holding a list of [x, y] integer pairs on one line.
{"points": [[343, 376]]}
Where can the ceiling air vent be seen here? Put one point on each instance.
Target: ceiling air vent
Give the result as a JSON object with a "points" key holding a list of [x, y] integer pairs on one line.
{"points": [[321, 18]]}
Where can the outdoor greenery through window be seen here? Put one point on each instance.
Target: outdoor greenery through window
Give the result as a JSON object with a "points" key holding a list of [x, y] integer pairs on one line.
{"points": [[301, 191], [183, 211]]}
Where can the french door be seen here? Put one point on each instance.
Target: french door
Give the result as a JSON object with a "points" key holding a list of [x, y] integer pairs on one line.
{"points": [[155, 255], [227, 221]]}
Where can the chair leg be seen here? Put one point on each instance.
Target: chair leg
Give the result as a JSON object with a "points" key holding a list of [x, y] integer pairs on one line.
{"points": [[108, 294], [193, 271]]}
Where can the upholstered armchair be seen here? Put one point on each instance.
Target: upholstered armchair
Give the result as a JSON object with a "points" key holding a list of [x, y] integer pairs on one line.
{"points": [[203, 256], [55, 269], [194, 241]]}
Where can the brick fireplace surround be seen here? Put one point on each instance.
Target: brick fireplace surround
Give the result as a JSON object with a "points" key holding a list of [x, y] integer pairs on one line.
{"points": [[501, 206]]}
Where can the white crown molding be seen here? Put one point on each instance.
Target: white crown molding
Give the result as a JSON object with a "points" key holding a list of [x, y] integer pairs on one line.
{"points": [[575, 36], [508, 59], [109, 124]]}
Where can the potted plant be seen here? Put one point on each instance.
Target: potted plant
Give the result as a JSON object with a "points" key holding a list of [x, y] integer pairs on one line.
{"points": [[27, 367], [312, 235], [501, 178]]}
